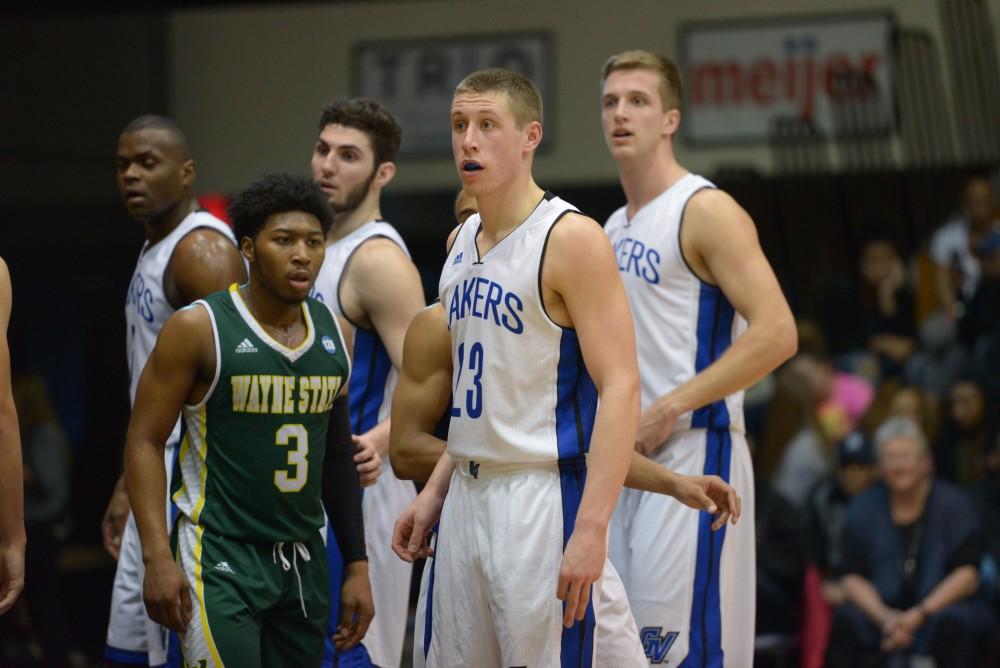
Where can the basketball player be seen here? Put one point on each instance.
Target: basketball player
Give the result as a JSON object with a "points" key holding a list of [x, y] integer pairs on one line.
{"points": [[525, 521], [188, 254], [422, 397], [258, 372], [12, 537], [369, 279], [710, 320]]}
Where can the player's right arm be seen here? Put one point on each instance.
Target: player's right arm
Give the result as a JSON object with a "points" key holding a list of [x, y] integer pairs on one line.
{"points": [[12, 538], [412, 530], [179, 369], [421, 396]]}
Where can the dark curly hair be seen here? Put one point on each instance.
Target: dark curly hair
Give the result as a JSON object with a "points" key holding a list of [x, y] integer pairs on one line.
{"points": [[277, 193], [370, 117]]}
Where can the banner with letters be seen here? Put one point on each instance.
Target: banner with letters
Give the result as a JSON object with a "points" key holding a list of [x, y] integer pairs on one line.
{"points": [[742, 80], [416, 79]]}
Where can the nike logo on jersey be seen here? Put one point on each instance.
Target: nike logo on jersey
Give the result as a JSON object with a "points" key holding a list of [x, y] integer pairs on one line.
{"points": [[246, 346], [224, 567], [482, 298]]}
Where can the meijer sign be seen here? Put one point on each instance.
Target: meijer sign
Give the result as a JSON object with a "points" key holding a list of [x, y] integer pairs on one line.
{"points": [[742, 78]]}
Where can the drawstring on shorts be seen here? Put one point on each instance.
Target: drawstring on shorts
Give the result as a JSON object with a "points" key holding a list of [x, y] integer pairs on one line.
{"points": [[298, 549]]}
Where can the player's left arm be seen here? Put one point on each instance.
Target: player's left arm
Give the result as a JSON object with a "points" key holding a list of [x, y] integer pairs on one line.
{"points": [[386, 284], [341, 493], [12, 537], [595, 303], [204, 261], [721, 244]]}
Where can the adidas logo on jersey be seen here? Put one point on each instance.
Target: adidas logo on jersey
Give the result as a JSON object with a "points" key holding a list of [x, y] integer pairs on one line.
{"points": [[246, 347], [458, 258], [224, 567]]}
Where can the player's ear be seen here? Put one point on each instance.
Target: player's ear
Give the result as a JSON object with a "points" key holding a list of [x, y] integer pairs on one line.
{"points": [[189, 170], [671, 122], [384, 174], [533, 135], [247, 249]]}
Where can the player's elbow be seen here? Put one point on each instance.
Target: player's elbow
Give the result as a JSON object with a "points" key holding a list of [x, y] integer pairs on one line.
{"points": [[402, 458], [786, 338]]}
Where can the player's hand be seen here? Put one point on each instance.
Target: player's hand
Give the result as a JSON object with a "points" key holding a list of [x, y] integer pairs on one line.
{"points": [[412, 530], [582, 564], [356, 606], [115, 517], [711, 494], [655, 425], [11, 574], [167, 594], [367, 459]]}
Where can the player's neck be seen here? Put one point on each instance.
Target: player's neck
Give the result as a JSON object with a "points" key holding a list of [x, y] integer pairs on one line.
{"points": [[504, 210], [273, 314], [644, 178], [346, 222], [158, 228]]}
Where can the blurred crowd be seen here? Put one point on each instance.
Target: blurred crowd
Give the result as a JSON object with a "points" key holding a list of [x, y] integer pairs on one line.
{"points": [[877, 453]]}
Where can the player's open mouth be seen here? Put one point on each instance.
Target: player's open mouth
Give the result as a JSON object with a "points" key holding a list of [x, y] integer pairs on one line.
{"points": [[621, 133], [300, 279], [471, 166]]}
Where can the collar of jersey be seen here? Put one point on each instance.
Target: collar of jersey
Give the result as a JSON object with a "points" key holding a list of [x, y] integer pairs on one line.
{"points": [[292, 354]]}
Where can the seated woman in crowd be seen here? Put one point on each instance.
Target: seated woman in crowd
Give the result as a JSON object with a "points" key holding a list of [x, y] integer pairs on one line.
{"points": [[913, 547]]}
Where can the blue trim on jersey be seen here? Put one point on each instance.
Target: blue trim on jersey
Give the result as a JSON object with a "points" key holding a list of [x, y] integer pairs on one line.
{"points": [[126, 656], [714, 335], [705, 637], [174, 657], [366, 389], [429, 606], [576, 404], [357, 656], [578, 640]]}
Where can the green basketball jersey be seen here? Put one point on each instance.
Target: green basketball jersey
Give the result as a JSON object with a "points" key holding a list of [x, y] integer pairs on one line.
{"points": [[251, 453]]}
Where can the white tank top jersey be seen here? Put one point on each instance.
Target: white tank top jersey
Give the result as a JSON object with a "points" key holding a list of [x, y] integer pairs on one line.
{"points": [[521, 391], [373, 377], [682, 323], [146, 305]]}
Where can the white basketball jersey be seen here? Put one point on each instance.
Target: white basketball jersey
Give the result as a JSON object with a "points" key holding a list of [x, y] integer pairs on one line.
{"points": [[682, 323], [146, 305], [373, 377], [521, 391]]}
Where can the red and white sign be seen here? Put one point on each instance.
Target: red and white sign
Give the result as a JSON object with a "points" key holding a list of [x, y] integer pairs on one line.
{"points": [[741, 79]]}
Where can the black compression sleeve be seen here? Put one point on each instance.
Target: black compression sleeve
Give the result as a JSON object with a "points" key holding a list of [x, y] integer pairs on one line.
{"points": [[341, 486]]}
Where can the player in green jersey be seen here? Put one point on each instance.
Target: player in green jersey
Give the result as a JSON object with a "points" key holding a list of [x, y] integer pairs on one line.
{"points": [[259, 374]]}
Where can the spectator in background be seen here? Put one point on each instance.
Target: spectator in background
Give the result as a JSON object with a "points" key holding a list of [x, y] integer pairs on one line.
{"points": [[794, 453], [986, 494], [911, 402], [780, 562], [912, 552], [46, 498], [982, 312], [870, 323], [961, 445], [951, 248], [826, 511], [841, 398]]}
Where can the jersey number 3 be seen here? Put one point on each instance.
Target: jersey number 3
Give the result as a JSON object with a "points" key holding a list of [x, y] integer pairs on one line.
{"points": [[473, 396], [296, 458]]}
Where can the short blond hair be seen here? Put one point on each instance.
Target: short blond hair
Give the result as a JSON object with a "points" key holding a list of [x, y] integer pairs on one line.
{"points": [[671, 89], [522, 93]]}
